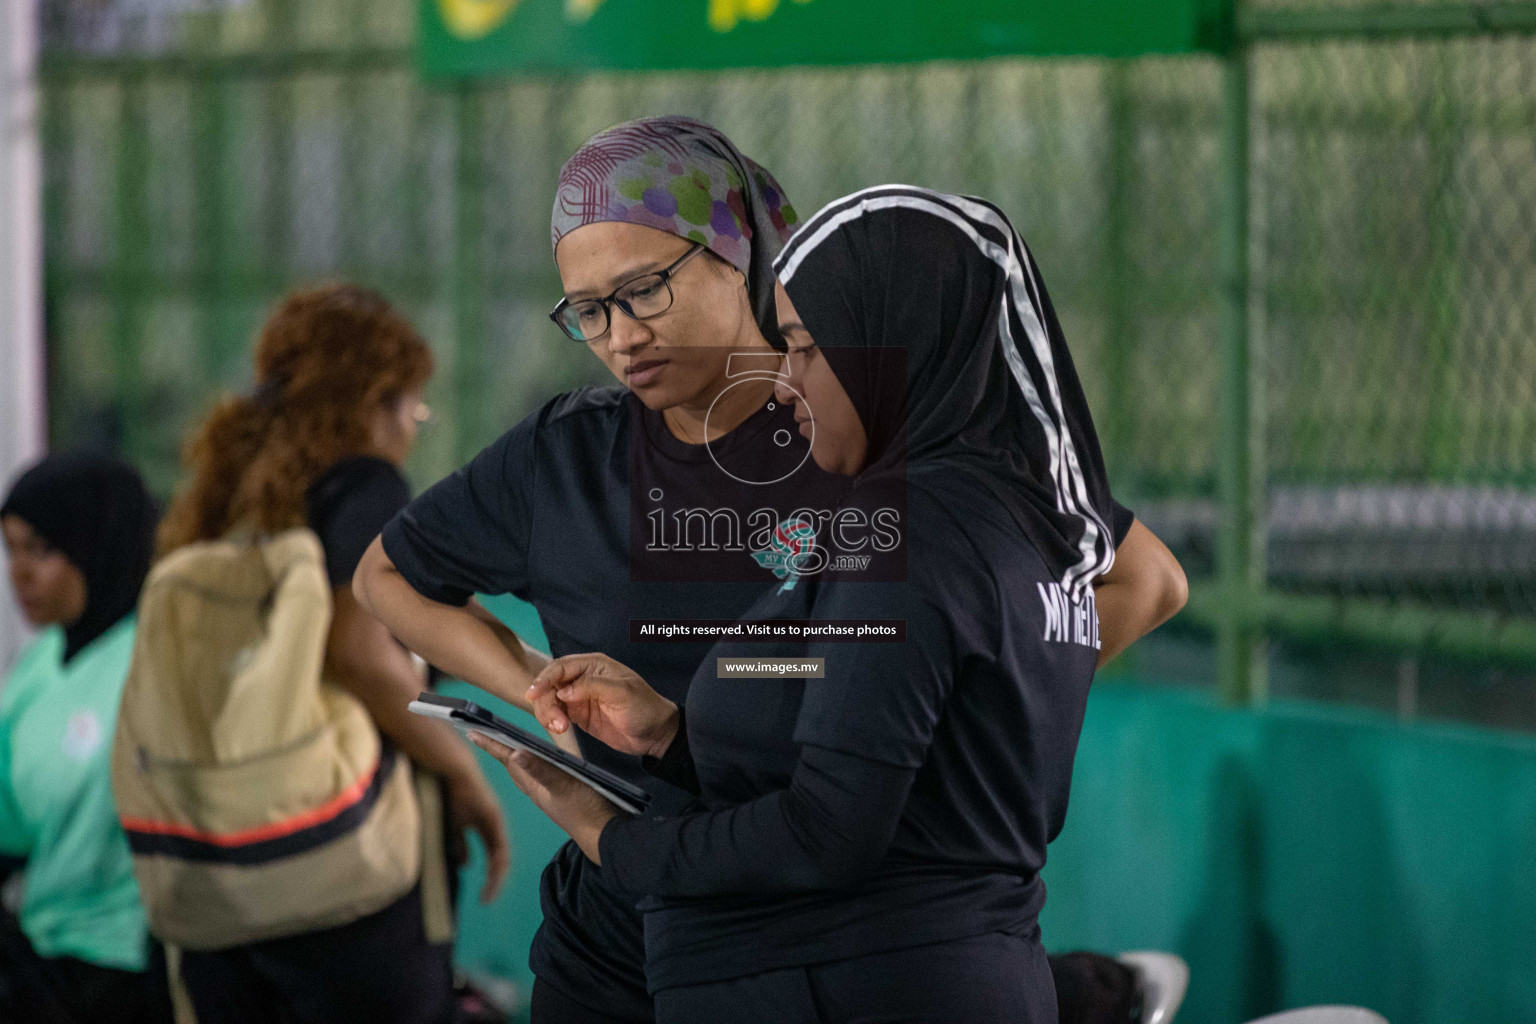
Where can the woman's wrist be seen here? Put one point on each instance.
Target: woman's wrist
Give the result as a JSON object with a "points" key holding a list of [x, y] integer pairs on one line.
{"points": [[673, 763], [589, 834], [662, 736], [604, 833]]}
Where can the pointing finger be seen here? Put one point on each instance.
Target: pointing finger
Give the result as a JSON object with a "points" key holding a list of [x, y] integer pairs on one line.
{"points": [[550, 713]]}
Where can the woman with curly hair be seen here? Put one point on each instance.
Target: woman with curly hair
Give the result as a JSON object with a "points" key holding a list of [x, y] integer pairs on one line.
{"points": [[320, 443]]}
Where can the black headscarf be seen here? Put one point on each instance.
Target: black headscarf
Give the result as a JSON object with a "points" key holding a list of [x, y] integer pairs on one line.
{"points": [[990, 391], [96, 511]]}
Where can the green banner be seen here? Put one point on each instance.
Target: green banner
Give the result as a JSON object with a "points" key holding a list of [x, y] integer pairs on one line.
{"points": [[485, 37]]}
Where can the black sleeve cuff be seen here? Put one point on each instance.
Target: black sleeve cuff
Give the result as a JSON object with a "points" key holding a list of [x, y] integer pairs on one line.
{"points": [[1121, 519], [408, 563], [675, 767]]}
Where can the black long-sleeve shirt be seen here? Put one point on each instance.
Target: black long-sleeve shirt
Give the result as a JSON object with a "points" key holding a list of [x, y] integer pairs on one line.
{"points": [[829, 828], [906, 798]]}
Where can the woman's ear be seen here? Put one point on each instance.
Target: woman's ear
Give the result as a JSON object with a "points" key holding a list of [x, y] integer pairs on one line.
{"points": [[730, 271], [738, 279]]}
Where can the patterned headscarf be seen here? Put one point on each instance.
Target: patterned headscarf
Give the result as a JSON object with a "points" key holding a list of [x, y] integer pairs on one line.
{"points": [[683, 177]]}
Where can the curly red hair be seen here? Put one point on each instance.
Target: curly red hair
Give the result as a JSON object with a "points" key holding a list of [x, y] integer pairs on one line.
{"points": [[326, 359]]}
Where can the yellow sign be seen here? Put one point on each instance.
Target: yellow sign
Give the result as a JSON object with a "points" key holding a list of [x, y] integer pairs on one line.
{"points": [[725, 14], [581, 10], [472, 38], [474, 19]]}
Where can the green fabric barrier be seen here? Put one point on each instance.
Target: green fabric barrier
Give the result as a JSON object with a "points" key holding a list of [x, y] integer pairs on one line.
{"points": [[1300, 854], [1294, 855]]}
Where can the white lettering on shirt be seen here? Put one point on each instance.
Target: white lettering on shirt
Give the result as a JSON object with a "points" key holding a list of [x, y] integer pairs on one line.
{"points": [[1067, 621]]}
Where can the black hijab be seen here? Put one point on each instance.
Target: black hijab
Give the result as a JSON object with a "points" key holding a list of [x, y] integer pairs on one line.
{"points": [[990, 388], [96, 511]]}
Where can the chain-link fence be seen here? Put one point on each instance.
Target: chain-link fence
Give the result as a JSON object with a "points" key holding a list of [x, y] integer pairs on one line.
{"points": [[202, 158]]}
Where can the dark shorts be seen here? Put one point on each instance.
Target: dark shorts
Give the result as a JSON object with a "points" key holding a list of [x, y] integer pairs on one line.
{"points": [[999, 979], [379, 969], [551, 1006], [589, 949], [65, 990]]}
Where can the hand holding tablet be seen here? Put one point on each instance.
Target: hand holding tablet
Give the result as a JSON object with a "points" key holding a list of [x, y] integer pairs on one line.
{"points": [[470, 717]]}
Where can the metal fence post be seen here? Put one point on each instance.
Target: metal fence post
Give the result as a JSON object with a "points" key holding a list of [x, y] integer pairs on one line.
{"points": [[1121, 278], [1240, 550], [222, 342], [468, 269], [129, 269]]}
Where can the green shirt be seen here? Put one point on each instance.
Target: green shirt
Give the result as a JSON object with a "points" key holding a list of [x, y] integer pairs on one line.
{"points": [[56, 808]]}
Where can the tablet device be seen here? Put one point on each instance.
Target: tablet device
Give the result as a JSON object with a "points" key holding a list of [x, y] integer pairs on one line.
{"points": [[469, 717]]}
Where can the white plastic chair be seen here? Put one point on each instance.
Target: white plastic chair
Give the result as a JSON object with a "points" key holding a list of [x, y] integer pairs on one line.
{"points": [[1164, 980], [1324, 1015]]}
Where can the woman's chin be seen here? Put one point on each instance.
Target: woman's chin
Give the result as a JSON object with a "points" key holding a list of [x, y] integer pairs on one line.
{"points": [[669, 395], [843, 461], [827, 461], [38, 619], [654, 400]]}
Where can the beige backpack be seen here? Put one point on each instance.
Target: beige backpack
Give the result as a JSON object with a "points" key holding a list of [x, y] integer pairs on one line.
{"points": [[257, 797]]}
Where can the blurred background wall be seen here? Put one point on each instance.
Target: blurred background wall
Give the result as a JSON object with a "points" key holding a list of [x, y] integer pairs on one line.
{"points": [[202, 156], [1349, 818], [22, 395]]}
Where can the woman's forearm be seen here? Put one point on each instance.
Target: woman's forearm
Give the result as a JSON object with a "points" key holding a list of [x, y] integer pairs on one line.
{"points": [[362, 658], [430, 744], [467, 643], [1124, 618], [829, 829]]}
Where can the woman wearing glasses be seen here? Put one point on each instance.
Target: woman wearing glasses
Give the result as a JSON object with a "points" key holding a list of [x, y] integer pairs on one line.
{"points": [[868, 843], [664, 236], [613, 504]]}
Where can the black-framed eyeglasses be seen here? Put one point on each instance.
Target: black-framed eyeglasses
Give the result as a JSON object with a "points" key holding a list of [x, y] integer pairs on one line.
{"points": [[639, 299]]}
